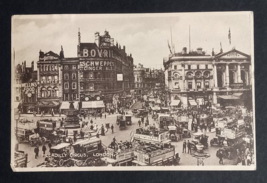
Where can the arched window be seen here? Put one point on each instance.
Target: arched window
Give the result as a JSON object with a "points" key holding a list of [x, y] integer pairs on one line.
{"points": [[189, 74], [73, 76], [73, 85], [56, 79], [49, 92], [49, 79], [66, 85], [198, 74], [206, 74], [66, 76], [43, 92]]}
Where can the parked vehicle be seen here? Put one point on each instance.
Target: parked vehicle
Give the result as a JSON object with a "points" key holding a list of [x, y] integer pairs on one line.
{"points": [[199, 138], [61, 155], [89, 152]]}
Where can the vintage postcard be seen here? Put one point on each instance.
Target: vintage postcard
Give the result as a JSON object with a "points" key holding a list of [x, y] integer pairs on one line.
{"points": [[129, 92]]}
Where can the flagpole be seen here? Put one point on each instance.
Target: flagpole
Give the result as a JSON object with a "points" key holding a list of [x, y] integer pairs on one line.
{"points": [[189, 41]]}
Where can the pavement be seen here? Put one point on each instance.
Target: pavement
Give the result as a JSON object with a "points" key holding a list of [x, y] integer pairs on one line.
{"points": [[186, 159]]}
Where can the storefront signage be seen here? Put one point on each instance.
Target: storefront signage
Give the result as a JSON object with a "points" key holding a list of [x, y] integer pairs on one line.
{"points": [[146, 137], [97, 65], [236, 85]]}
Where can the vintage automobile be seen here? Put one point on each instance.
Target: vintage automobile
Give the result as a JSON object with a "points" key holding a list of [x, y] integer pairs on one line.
{"points": [[186, 133], [23, 134], [141, 113], [218, 140], [88, 152], [128, 119], [199, 138], [61, 155], [173, 133]]}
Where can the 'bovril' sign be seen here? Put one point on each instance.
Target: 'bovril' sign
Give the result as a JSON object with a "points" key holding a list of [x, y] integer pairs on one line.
{"points": [[97, 65]]}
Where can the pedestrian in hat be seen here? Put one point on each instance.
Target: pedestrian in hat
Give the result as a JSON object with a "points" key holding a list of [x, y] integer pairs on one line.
{"points": [[36, 151], [44, 149]]}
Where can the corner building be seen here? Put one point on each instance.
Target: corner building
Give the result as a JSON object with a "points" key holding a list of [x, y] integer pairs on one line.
{"points": [[195, 78], [105, 70]]}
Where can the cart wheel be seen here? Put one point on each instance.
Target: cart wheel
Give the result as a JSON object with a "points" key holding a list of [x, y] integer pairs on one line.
{"points": [[79, 163], [61, 162]]}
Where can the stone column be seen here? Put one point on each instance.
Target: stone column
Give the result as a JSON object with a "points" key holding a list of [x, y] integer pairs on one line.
{"points": [[238, 74], [227, 75], [214, 98], [193, 84], [202, 83], [250, 75], [215, 76]]}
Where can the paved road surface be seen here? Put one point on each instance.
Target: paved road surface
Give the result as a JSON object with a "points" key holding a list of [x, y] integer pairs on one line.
{"points": [[186, 159]]}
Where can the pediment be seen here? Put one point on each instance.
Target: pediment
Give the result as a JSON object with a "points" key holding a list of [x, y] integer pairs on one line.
{"points": [[233, 54]]}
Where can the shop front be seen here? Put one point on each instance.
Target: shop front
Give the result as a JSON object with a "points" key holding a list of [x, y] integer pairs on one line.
{"points": [[48, 107], [93, 107]]}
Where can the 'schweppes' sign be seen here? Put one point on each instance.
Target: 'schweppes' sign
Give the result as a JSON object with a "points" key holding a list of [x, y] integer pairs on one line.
{"points": [[97, 65]]}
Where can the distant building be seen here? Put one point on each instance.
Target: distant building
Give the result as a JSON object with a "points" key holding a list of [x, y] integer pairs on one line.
{"points": [[148, 80], [195, 78], [49, 82], [25, 87]]}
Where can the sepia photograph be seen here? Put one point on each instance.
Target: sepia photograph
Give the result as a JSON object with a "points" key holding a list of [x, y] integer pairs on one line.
{"points": [[133, 92]]}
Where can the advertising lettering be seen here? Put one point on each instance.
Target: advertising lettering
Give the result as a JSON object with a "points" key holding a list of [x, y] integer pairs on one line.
{"points": [[146, 137], [97, 65]]}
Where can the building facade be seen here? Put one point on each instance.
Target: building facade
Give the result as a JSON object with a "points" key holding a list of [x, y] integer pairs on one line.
{"points": [[49, 79], [25, 87], [148, 80], [195, 78], [105, 69]]}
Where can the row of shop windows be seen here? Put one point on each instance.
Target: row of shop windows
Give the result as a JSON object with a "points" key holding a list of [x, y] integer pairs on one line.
{"points": [[49, 93], [73, 85], [190, 85], [70, 96], [189, 67], [95, 75], [48, 67], [49, 79], [73, 76], [141, 85], [67, 67]]}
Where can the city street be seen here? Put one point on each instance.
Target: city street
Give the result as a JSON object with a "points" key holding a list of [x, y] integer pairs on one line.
{"points": [[186, 159]]}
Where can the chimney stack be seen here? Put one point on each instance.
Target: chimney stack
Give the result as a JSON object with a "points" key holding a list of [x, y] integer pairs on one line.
{"points": [[199, 51], [184, 51]]}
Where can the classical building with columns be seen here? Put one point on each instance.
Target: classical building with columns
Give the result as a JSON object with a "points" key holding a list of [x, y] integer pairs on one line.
{"points": [[196, 78]]}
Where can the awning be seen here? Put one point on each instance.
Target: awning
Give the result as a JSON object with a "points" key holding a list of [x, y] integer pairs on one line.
{"points": [[66, 105], [228, 97], [175, 103], [238, 94], [48, 103], [192, 102], [93, 104]]}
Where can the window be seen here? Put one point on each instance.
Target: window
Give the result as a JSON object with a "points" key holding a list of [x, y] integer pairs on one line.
{"points": [[74, 67], [46, 68], [41, 68], [73, 76], [74, 85], [52, 67], [66, 76], [206, 66], [73, 96], [56, 79], [55, 67], [189, 67], [175, 67], [81, 86], [207, 84], [198, 85], [66, 67], [189, 85], [53, 93], [176, 85], [66, 96], [49, 79], [43, 79], [66, 85], [197, 66]]}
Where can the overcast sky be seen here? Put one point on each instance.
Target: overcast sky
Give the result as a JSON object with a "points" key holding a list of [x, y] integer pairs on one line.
{"points": [[144, 35]]}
